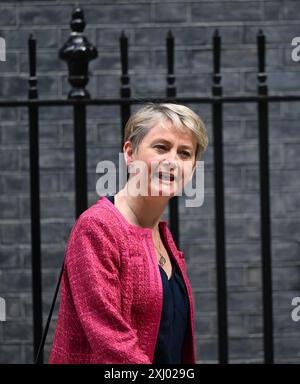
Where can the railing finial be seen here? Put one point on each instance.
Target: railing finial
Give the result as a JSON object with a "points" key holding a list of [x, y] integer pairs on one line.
{"points": [[77, 23], [78, 52]]}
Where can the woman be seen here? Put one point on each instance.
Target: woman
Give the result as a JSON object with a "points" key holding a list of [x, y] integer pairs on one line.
{"points": [[125, 295]]}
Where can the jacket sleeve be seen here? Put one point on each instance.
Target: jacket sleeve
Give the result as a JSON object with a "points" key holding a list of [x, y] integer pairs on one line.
{"points": [[93, 265]]}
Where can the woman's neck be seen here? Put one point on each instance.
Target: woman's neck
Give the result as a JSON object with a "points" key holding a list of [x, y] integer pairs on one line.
{"points": [[144, 211]]}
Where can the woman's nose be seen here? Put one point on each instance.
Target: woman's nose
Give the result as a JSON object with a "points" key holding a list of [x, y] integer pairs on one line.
{"points": [[171, 162], [173, 156]]}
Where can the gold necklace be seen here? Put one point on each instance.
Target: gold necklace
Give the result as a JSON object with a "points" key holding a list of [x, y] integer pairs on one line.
{"points": [[162, 260]]}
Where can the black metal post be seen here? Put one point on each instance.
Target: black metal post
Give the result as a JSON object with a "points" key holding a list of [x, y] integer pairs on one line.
{"points": [[125, 91], [171, 88], [78, 52], [35, 202], [217, 115], [263, 127], [80, 158], [171, 92]]}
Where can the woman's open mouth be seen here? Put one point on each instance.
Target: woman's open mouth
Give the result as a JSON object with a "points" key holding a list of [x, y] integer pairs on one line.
{"points": [[165, 177]]}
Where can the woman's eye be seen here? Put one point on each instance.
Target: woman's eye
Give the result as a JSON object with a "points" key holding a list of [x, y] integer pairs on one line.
{"points": [[163, 148], [160, 147], [186, 154]]}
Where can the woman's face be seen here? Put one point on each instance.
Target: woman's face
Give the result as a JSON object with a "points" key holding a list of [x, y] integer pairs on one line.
{"points": [[168, 158]]}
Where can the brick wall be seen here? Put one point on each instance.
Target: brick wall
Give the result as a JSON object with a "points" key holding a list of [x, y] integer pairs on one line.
{"points": [[146, 24]]}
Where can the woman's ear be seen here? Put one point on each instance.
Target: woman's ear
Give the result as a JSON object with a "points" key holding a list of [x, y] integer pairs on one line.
{"points": [[192, 172], [189, 170], [128, 152]]}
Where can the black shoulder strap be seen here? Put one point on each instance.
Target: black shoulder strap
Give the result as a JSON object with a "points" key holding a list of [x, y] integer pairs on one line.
{"points": [[42, 343]]}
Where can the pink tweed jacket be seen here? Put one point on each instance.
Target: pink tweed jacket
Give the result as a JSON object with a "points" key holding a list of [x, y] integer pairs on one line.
{"points": [[111, 292]]}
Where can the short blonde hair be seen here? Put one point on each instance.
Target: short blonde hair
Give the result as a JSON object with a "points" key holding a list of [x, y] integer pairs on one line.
{"points": [[182, 117]]}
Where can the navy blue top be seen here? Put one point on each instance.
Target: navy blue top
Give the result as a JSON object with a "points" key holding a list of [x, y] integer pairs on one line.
{"points": [[174, 317]]}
